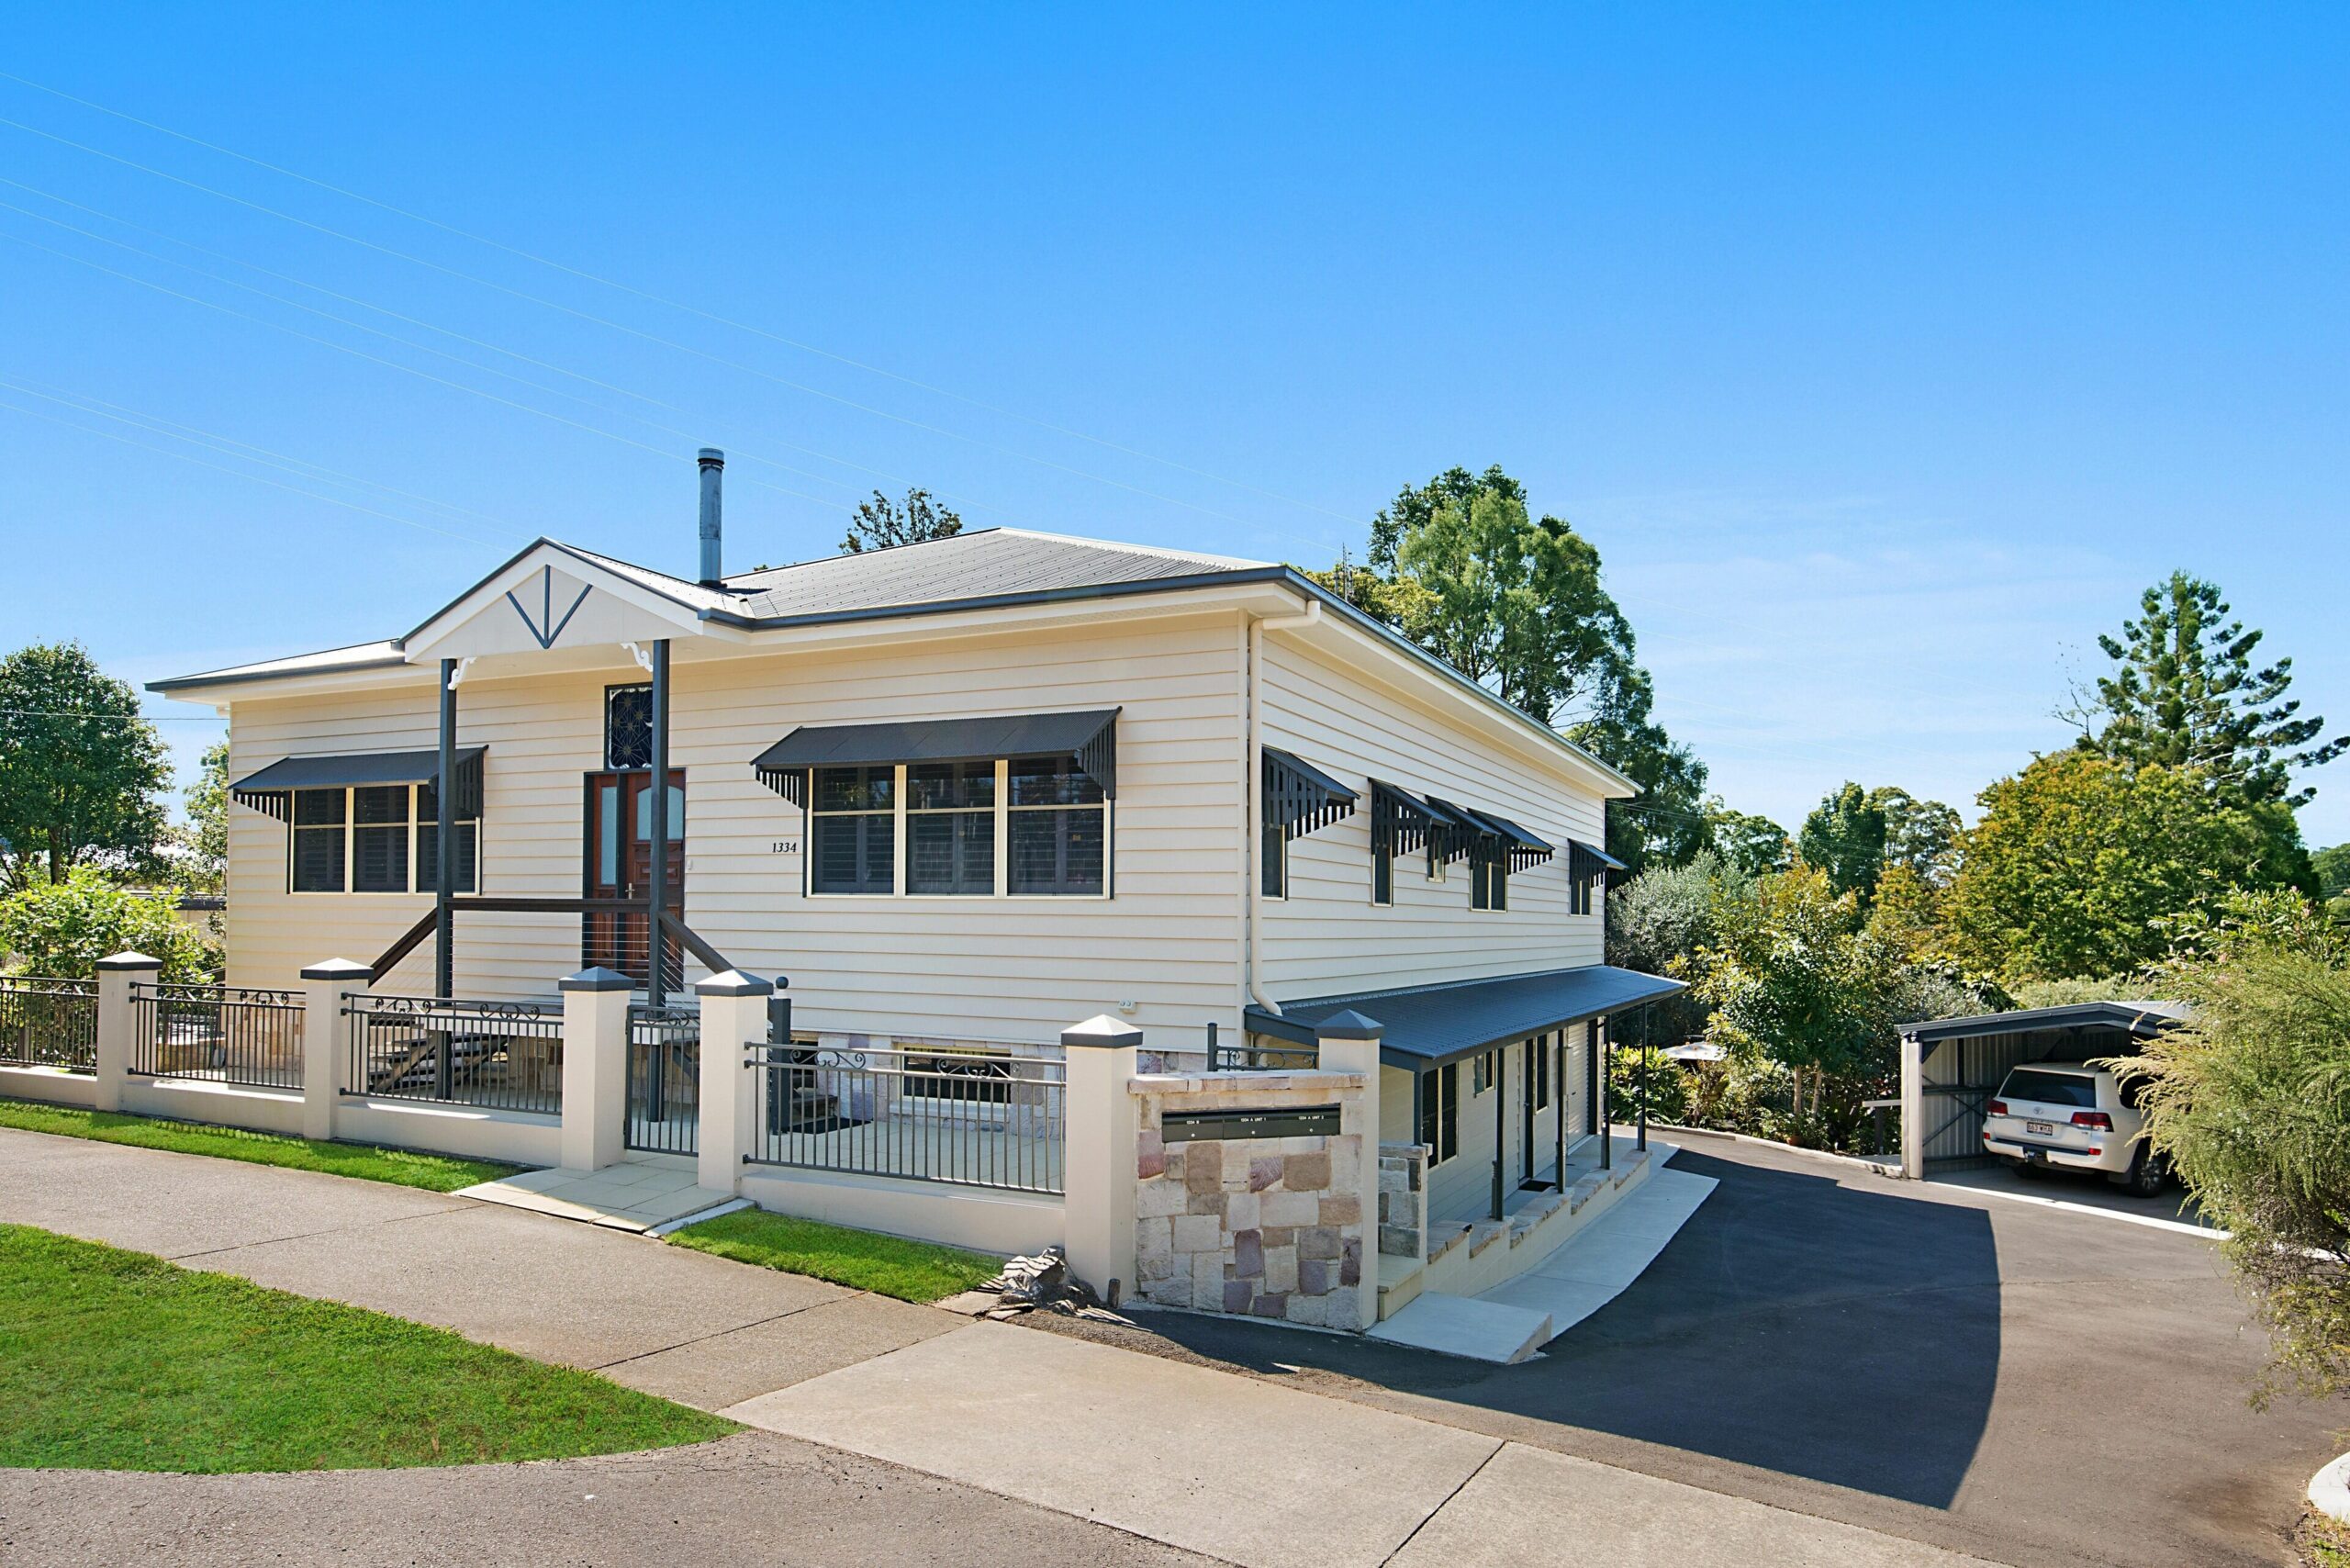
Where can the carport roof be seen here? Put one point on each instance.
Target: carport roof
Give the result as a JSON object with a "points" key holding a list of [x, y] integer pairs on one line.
{"points": [[2143, 1019], [1429, 1025]]}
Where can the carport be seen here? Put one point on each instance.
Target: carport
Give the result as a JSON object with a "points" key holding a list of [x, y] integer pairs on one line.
{"points": [[1952, 1066]]}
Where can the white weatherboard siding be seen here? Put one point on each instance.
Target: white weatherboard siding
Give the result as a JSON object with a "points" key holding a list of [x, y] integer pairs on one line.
{"points": [[963, 969], [1328, 937], [1462, 1187]]}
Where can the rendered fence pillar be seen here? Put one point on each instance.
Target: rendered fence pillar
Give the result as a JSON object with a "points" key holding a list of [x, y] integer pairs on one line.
{"points": [[734, 1014], [1348, 1042], [325, 1035], [118, 1022], [1913, 1108], [595, 1067], [1103, 1125]]}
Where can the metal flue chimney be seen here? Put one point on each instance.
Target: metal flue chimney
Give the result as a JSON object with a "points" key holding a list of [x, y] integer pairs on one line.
{"points": [[713, 464]]}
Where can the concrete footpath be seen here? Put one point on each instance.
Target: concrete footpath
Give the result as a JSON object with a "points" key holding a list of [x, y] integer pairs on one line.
{"points": [[900, 1431]]}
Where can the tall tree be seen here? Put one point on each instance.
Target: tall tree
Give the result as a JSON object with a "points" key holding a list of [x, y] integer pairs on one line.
{"points": [[208, 817], [1844, 839], [881, 523], [2082, 867], [1921, 835], [80, 771], [1516, 602], [1754, 845], [2185, 693]]}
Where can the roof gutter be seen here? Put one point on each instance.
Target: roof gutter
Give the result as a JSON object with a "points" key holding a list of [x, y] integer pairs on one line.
{"points": [[1255, 762]]}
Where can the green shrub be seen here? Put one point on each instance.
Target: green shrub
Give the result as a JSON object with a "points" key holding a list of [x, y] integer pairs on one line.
{"points": [[64, 928], [1668, 1087], [2251, 1101]]}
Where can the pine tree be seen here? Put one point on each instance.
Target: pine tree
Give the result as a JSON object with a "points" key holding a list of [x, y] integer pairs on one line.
{"points": [[2185, 693]]}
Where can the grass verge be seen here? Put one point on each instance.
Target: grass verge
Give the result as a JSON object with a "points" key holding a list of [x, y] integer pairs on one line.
{"points": [[402, 1166], [886, 1265], [117, 1361]]}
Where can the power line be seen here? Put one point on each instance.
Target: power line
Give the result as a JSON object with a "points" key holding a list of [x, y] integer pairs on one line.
{"points": [[256, 478], [674, 304], [752, 456], [632, 331]]}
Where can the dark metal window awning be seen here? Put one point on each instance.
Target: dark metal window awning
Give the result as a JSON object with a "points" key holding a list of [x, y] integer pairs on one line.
{"points": [[1089, 739], [1583, 862], [1300, 796], [272, 789], [1402, 822], [1484, 832]]}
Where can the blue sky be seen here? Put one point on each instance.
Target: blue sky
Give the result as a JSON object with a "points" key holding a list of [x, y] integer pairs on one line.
{"points": [[1885, 352]]}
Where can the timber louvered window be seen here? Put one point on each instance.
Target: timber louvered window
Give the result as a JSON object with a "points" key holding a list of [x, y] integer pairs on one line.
{"points": [[1586, 866], [1298, 798], [853, 826]]}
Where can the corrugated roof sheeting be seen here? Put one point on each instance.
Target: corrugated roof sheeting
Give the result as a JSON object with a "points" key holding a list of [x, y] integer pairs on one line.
{"points": [[1431, 1024]]}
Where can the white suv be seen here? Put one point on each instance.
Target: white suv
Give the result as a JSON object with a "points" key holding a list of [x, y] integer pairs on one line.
{"points": [[2075, 1118]]}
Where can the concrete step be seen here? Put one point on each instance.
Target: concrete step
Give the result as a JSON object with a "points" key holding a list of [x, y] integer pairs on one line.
{"points": [[1462, 1325], [1401, 1280]]}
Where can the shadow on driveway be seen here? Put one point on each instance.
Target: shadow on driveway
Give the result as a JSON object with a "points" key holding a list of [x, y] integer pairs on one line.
{"points": [[1796, 1326]]}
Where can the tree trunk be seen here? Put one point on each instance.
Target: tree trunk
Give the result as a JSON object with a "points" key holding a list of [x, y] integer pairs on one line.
{"points": [[56, 854]]}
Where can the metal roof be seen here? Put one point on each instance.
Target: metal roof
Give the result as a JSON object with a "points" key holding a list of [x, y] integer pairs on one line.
{"points": [[986, 569], [986, 564], [2140, 1018], [1429, 1025]]}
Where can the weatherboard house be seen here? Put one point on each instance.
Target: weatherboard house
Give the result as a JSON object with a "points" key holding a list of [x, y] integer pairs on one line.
{"points": [[942, 800]]}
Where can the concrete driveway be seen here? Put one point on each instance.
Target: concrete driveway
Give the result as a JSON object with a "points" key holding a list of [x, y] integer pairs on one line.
{"points": [[2029, 1385]]}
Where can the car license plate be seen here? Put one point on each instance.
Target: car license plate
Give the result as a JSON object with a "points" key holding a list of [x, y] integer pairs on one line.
{"points": [[2045, 1129]]}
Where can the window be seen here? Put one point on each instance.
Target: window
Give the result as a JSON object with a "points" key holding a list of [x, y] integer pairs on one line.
{"points": [[1058, 831], [318, 858], [1440, 1113], [1489, 875], [854, 831], [628, 727], [1578, 896], [375, 838], [1275, 853], [950, 827], [427, 846], [1542, 1046], [1383, 874], [1030, 826], [1483, 1072]]}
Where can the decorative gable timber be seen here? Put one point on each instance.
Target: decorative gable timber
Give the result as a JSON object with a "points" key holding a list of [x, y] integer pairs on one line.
{"points": [[551, 597]]}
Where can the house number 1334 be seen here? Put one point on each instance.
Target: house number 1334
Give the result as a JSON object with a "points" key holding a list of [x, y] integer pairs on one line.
{"points": [[785, 846]]}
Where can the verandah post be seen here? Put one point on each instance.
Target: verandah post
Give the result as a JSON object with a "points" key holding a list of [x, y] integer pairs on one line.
{"points": [[117, 1023], [1101, 1132], [324, 1033], [595, 1067], [445, 846], [734, 1015], [656, 983]]}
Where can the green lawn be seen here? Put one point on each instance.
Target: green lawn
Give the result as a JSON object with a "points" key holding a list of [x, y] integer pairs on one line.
{"points": [[117, 1361], [434, 1173], [886, 1265]]}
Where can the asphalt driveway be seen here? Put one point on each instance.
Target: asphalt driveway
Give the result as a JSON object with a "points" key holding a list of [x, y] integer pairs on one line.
{"points": [[2025, 1384]]}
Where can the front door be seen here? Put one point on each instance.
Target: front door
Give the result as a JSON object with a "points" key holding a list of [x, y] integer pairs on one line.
{"points": [[619, 866]]}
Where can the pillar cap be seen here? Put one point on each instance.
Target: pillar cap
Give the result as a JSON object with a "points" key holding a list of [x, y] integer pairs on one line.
{"points": [[115, 961], [595, 979], [1100, 1032], [339, 970], [1349, 1025], [733, 982]]}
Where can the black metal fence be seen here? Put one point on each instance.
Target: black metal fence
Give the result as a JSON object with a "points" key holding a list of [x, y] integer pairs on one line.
{"points": [[502, 1056], [222, 1032], [663, 1079], [48, 1022], [969, 1118]]}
